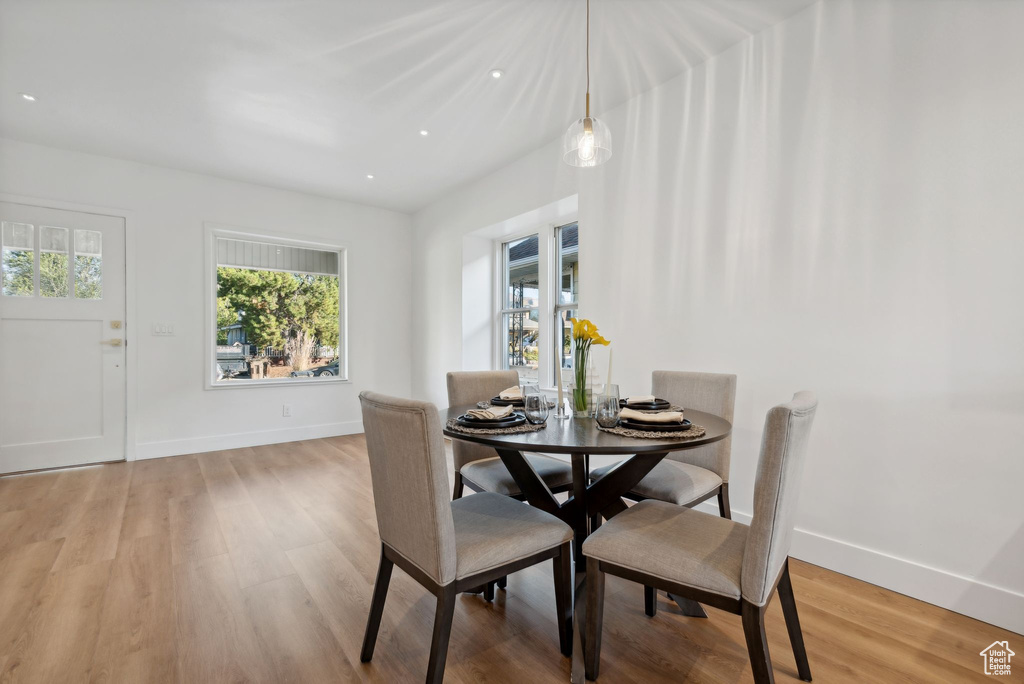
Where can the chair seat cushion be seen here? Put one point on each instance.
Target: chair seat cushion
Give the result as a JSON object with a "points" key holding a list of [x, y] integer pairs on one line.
{"points": [[493, 530], [672, 481], [674, 543], [491, 475]]}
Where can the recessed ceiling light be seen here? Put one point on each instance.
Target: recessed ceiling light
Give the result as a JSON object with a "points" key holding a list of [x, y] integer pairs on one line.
{"points": [[424, 132], [497, 73], [28, 97], [369, 176]]}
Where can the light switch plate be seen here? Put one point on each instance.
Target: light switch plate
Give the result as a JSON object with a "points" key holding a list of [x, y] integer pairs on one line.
{"points": [[163, 329]]}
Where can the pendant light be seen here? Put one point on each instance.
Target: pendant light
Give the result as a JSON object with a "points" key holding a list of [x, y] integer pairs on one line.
{"points": [[588, 142]]}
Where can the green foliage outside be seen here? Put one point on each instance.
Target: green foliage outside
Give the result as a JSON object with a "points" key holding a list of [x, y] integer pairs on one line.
{"points": [[287, 311], [17, 268], [53, 275], [226, 315], [88, 277]]}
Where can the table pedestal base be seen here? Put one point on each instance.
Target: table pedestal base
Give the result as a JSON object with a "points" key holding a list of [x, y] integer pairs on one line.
{"points": [[588, 500]]}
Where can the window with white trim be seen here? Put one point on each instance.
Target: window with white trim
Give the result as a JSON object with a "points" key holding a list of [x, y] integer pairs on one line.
{"points": [[567, 273], [520, 313], [278, 311], [539, 293]]}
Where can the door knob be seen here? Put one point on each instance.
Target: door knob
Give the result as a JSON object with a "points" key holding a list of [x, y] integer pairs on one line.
{"points": [[116, 342]]}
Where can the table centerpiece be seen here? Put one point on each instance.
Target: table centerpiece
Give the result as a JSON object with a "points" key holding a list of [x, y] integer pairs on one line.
{"points": [[584, 335]]}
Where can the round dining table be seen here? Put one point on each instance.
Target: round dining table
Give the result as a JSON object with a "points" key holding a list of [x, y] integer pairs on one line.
{"points": [[580, 438]]}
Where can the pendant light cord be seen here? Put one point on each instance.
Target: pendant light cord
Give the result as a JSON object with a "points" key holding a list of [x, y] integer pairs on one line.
{"points": [[588, 59]]}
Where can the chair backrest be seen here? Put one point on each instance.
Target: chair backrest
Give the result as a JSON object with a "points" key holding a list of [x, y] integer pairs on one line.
{"points": [[780, 468], [469, 387], [710, 392], [410, 481]]}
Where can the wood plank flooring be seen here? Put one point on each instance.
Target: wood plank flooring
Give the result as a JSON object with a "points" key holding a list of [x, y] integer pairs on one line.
{"points": [[256, 565]]}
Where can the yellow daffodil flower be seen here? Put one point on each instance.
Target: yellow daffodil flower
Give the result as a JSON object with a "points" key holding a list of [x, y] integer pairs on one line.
{"points": [[585, 334], [584, 330]]}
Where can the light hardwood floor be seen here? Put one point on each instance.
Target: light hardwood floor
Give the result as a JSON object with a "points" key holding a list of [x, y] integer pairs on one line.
{"points": [[257, 565]]}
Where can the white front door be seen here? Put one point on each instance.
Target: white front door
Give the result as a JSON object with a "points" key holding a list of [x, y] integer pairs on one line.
{"points": [[62, 341]]}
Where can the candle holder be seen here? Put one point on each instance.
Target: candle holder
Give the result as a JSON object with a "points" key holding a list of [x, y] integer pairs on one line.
{"points": [[561, 411]]}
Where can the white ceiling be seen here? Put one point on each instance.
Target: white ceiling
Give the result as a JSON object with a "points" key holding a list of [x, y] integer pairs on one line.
{"points": [[312, 95]]}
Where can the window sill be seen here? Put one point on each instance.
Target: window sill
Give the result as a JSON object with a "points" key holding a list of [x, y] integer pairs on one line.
{"points": [[276, 382]]}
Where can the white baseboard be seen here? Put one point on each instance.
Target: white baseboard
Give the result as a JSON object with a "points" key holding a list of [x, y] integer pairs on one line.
{"points": [[995, 605], [238, 440]]}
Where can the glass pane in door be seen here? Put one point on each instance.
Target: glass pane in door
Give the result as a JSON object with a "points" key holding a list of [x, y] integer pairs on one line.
{"points": [[88, 264], [17, 267], [53, 261]]}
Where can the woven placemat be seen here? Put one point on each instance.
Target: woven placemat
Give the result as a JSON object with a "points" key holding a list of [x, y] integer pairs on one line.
{"points": [[692, 433], [525, 427]]}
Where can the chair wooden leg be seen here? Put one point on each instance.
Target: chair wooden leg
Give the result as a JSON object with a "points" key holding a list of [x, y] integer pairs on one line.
{"points": [[595, 619], [457, 492], [796, 636], [723, 501], [489, 591], [503, 582], [650, 601], [757, 642], [380, 594], [562, 566], [442, 632]]}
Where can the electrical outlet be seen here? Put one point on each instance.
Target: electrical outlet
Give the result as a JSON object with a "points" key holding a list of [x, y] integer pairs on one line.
{"points": [[286, 410]]}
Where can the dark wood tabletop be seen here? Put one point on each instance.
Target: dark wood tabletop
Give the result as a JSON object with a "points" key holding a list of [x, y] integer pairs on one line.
{"points": [[581, 435]]}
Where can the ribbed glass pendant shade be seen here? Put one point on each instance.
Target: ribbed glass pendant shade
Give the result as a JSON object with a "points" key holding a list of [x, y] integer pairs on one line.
{"points": [[588, 142]]}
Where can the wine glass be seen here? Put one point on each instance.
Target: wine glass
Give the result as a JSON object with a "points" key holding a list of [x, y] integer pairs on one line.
{"points": [[535, 407], [608, 407]]}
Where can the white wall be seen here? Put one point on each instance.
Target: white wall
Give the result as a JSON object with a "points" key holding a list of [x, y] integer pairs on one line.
{"points": [[834, 204], [167, 211]]}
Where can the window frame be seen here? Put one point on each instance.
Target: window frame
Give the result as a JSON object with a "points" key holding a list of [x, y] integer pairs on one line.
{"points": [[559, 307], [215, 231], [71, 253], [548, 306], [503, 310]]}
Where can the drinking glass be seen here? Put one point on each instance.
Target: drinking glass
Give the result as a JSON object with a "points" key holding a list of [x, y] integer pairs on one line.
{"points": [[536, 407], [608, 406]]}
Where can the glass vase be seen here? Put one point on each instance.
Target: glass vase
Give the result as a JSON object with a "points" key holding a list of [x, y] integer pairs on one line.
{"points": [[581, 400], [581, 392]]}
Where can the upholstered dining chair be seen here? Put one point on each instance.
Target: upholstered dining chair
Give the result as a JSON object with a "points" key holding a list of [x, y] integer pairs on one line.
{"points": [[687, 478], [479, 467], [712, 560], [448, 546]]}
